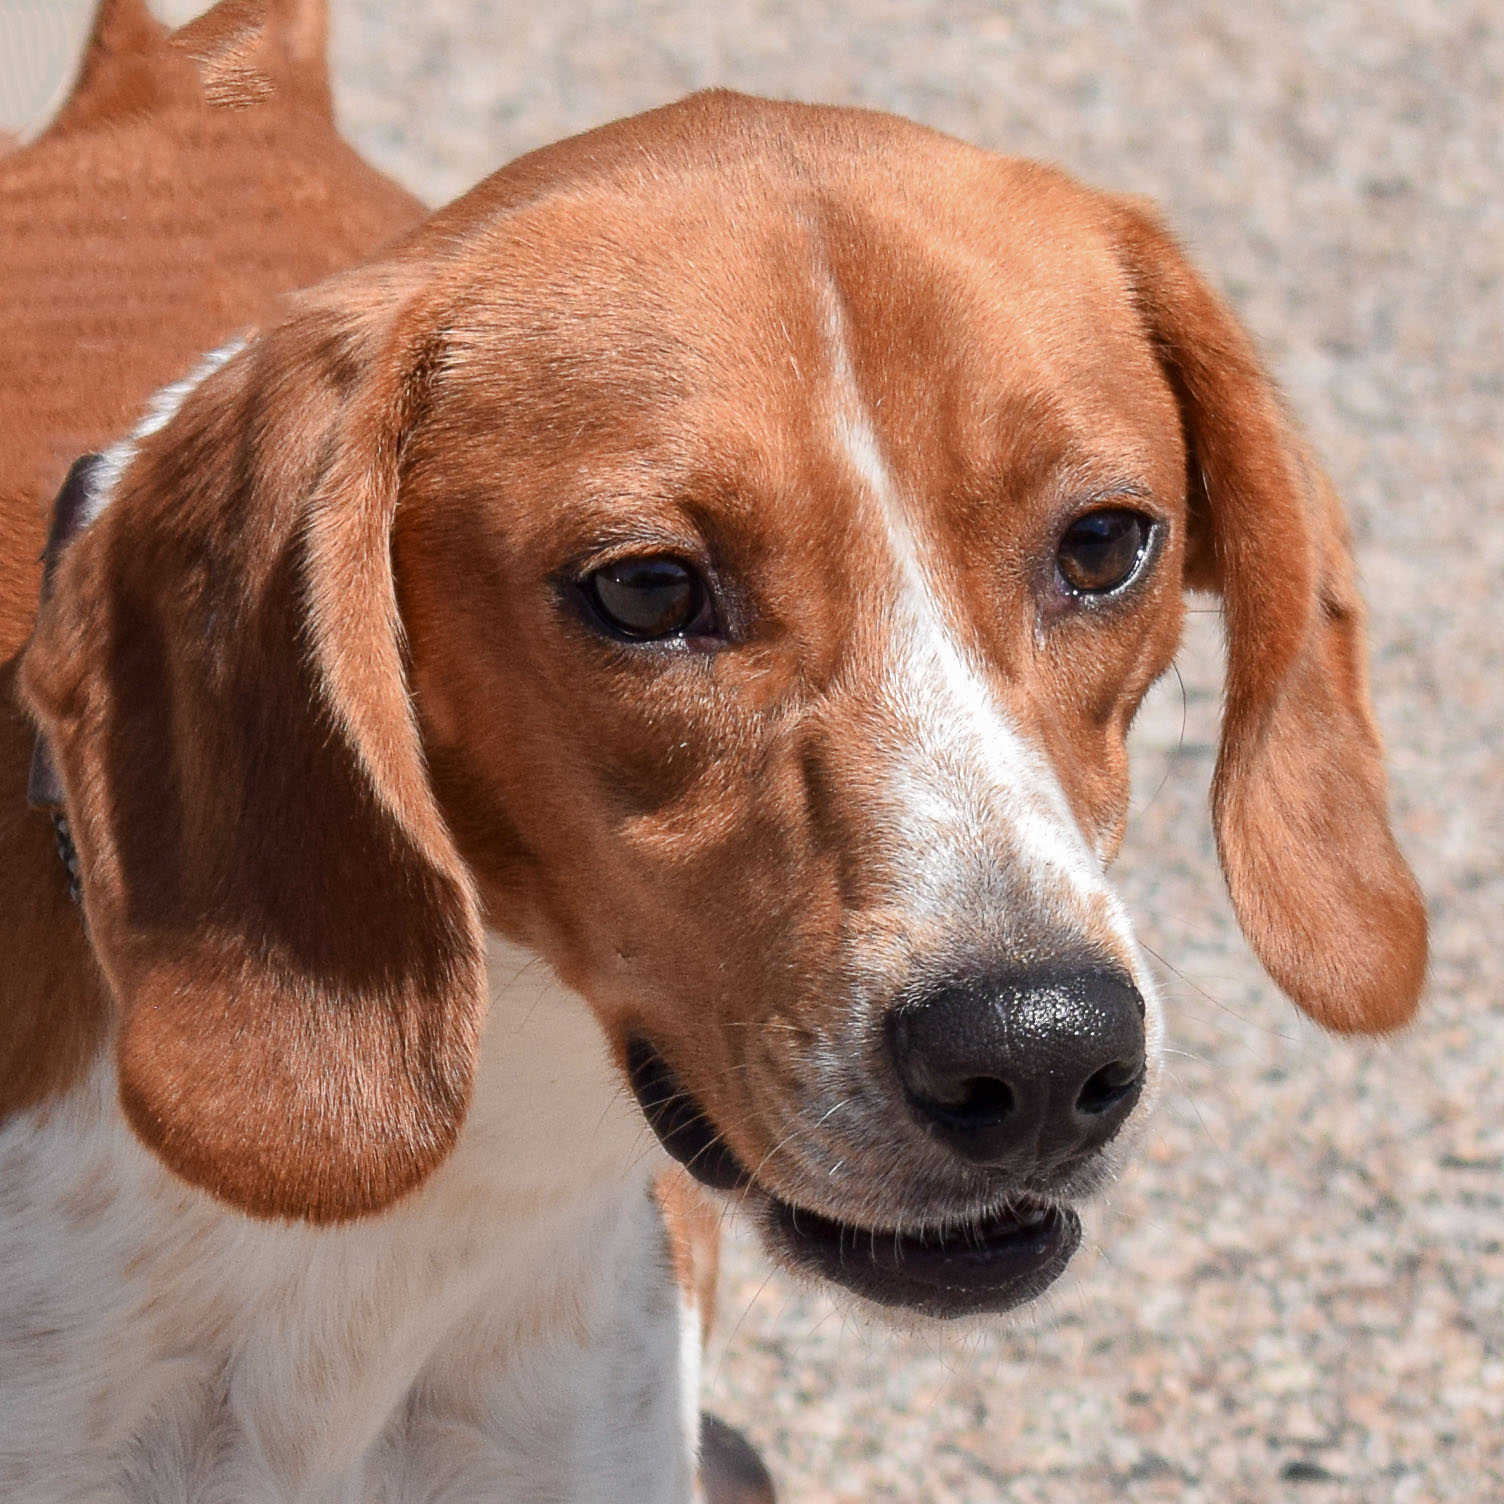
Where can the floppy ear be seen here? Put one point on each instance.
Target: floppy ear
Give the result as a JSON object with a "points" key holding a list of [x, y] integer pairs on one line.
{"points": [[292, 941], [1320, 889]]}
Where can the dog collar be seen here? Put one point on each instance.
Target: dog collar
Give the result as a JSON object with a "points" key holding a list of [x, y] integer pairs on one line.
{"points": [[44, 789]]}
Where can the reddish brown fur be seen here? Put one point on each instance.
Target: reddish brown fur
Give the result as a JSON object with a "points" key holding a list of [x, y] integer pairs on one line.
{"points": [[227, 210], [575, 359], [1301, 769], [694, 1240]]}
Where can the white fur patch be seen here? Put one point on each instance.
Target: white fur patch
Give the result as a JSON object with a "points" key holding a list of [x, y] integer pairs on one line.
{"points": [[978, 808], [510, 1331]]}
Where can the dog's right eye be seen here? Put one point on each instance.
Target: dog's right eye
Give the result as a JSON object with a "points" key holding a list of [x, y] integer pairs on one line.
{"points": [[651, 599]]}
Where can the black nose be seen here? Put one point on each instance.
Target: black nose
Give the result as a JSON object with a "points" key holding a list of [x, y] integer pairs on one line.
{"points": [[1023, 1072]]}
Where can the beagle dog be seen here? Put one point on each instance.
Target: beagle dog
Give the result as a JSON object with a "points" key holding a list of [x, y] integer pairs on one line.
{"points": [[640, 664]]}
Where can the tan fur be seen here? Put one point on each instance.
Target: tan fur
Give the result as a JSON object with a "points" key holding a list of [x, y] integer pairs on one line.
{"points": [[236, 209], [694, 1240], [1301, 768], [228, 211], [326, 705], [599, 804]]}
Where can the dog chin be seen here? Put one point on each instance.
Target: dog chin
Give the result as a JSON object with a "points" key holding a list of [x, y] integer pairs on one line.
{"points": [[983, 1260]]}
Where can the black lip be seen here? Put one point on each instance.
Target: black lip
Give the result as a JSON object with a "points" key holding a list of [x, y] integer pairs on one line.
{"points": [[969, 1270], [986, 1265], [679, 1121]]}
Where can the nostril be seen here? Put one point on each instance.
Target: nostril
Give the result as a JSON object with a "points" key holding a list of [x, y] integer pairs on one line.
{"points": [[978, 1102], [1106, 1088]]}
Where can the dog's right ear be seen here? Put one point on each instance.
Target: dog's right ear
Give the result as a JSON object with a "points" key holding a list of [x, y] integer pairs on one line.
{"points": [[293, 943]]}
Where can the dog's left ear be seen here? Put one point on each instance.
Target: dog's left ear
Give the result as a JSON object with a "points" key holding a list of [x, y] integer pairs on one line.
{"points": [[293, 943], [1320, 888]]}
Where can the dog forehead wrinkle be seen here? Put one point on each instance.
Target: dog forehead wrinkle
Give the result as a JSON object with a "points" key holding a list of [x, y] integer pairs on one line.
{"points": [[965, 767]]}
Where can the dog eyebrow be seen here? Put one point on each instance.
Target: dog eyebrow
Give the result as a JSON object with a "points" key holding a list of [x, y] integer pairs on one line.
{"points": [[1121, 490]]}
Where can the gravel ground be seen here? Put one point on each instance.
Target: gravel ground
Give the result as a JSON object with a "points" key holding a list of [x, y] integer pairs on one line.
{"points": [[1298, 1290]]}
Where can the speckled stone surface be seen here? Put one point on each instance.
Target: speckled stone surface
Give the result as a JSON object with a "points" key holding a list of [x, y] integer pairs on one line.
{"points": [[1297, 1292]]}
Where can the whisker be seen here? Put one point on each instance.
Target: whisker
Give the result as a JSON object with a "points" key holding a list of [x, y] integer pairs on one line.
{"points": [[1217, 1003], [1179, 744], [740, 1321], [794, 1128], [1211, 1137]]}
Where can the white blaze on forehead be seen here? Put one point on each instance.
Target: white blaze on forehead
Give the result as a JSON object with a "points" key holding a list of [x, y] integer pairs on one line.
{"points": [[981, 815]]}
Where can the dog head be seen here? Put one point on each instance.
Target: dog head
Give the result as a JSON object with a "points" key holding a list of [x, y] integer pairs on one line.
{"points": [[723, 553]]}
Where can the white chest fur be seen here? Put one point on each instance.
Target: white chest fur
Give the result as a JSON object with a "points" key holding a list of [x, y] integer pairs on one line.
{"points": [[510, 1332]]}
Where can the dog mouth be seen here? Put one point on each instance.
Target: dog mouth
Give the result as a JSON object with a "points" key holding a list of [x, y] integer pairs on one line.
{"points": [[984, 1265]]}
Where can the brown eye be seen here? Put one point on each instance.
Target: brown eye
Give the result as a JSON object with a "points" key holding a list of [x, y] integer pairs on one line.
{"points": [[649, 599], [1102, 551]]}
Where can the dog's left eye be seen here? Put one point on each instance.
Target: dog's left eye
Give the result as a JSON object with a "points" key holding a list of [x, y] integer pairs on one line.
{"points": [[1103, 550], [650, 599]]}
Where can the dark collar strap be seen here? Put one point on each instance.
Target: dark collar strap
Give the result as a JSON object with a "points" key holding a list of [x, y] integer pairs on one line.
{"points": [[67, 854], [44, 789]]}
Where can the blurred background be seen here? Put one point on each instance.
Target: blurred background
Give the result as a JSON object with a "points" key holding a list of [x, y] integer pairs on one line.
{"points": [[1297, 1291]]}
